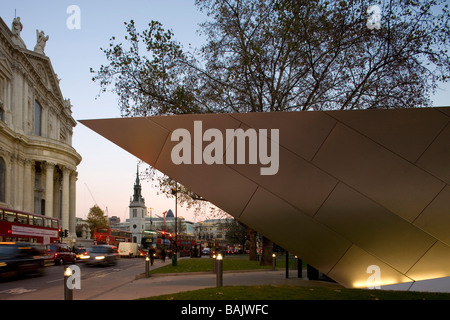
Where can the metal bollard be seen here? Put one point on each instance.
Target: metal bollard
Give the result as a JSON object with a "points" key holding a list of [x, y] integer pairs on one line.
{"points": [[274, 261], [219, 270], [68, 290], [147, 267], [214, 263]]}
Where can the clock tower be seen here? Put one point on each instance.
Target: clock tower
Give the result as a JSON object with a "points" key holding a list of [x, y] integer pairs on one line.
{"points": [[137, 211]]}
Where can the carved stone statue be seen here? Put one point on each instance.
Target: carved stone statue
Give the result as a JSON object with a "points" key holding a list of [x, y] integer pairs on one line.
{"points": [[17, 26], [16, 29], [41, 42], [67, 104]]}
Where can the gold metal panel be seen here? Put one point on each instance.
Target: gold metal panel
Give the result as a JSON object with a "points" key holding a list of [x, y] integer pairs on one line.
{"points": [[298, 182], [352, 270], [139, 136], [407, 134], [435, 219], [445, 110], [364, 221], [436, 159], [370, 226], [216, 121], [377, 173], [434, 264], [300, 132], [220, 184], [294, 230]]}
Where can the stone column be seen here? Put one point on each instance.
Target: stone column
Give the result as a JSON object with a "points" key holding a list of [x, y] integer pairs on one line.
{"points": [[28, 186], [72, 209], [20, 183], [65, 198], [49, 176], [15, 180]]}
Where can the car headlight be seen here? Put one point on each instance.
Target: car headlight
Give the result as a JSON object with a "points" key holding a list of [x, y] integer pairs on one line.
{"points": [[99, 257], [2, 264]]}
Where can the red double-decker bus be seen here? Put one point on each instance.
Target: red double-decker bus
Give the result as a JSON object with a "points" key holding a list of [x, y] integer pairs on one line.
{"points": [[18, 226], [159, 240], [185, 244], [111, 236]]}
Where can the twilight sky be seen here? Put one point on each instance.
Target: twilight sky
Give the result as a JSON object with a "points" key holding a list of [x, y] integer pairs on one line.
{"points": [[107, 173]]}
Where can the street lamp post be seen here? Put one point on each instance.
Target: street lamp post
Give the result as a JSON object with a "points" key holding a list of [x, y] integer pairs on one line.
{"points": [[174, 255]]}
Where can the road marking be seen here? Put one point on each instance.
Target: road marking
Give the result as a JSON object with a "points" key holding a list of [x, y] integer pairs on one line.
{"points": [[18, 291], [54, 280]]}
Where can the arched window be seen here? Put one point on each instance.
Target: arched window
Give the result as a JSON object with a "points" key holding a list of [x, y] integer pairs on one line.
{"points": [[2, 180], [37, 118]]}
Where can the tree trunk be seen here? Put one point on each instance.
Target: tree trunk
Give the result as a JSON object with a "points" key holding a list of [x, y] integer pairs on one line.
{"points": [[267, 250], [252, 240]]}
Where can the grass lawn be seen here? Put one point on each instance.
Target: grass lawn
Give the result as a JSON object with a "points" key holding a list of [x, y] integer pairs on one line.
{"points": [[297, 293], [233, 262], [241, 262], [230, 262]]}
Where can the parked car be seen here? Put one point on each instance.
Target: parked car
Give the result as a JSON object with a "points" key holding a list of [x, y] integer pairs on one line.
{"points": [[18, 259], [61, 253], [102, 255]]}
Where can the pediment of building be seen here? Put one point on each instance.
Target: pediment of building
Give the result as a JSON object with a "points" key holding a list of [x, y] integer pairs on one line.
{"points": [[5, 68], [42, 66]]}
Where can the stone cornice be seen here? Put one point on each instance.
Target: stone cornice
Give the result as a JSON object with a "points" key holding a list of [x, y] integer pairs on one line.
{"points": [[40, 143]]}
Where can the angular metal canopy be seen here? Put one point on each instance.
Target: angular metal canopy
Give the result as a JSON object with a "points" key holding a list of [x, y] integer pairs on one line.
{"points": [[353, 189]]}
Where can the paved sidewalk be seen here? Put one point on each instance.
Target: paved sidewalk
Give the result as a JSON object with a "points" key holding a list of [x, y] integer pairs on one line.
{"points": [[168, 284]]}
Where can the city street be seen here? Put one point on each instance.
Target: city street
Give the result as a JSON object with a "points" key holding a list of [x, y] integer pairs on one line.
{"points": [[95, 280]]}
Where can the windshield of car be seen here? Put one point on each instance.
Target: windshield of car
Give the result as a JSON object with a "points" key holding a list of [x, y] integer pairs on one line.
{"points": [[6, 251], [100, 250]]}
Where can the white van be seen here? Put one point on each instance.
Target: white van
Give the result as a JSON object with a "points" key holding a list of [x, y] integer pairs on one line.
{"points": [[128, 249]]}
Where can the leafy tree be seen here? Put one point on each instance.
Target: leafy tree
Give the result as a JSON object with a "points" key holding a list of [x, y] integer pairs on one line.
{"points": [[236, 233], [283, 55], [97, 219]]}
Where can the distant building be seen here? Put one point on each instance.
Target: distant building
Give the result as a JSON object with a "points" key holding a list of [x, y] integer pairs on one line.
{"points": [[168, 224], [113, 221], [212, 231], [38, 165]]}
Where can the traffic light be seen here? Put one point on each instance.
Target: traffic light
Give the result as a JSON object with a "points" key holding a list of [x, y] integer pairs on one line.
{"points": [[163, 233], [61, 233], [66, 233]]}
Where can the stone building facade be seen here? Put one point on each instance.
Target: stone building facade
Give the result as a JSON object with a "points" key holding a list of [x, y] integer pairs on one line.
{"points": [[38, 165]]}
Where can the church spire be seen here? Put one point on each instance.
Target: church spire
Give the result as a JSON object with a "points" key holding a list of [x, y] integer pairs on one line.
{"points": [[137, 196]]}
